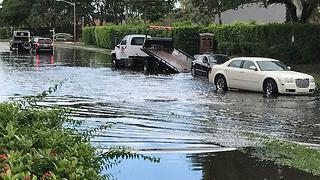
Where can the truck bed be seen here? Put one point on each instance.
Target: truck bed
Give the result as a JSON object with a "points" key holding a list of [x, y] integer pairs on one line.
{"points": [[177, 60]]}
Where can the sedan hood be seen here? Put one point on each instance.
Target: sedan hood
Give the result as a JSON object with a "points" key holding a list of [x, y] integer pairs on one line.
{"points": [[287, 74]]}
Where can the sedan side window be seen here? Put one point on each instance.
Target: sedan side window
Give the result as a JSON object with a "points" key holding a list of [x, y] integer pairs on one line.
{"points": [[236, 64], [247, 64]]}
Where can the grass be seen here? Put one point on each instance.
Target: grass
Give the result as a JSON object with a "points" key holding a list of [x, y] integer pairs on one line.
{"points": [[290, 154], [4, 40]]}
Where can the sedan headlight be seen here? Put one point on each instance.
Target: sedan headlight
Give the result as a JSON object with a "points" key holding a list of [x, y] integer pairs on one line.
{"points": [[288, 80]]}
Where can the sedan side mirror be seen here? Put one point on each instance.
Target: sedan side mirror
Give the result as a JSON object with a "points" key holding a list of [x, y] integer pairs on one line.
{"points": [[253, 68], [118, 46], [289, 67]]}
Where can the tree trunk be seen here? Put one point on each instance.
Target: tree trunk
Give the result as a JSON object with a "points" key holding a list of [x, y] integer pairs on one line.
{"points": [[291, 13], [306, 12]]}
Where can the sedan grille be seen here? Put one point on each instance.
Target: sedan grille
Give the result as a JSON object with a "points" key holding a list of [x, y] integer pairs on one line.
{"points": [[302, 83]]}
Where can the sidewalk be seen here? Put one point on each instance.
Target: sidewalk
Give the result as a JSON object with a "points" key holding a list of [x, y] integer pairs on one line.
{"points": [[81, 45]]}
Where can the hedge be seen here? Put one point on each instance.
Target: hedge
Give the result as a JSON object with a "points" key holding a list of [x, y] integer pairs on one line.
{"points": [[4, 33], [268, 40], [107, 36]]}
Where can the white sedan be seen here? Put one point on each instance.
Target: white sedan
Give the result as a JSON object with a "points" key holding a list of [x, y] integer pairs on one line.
{"points": [[260, 74]]}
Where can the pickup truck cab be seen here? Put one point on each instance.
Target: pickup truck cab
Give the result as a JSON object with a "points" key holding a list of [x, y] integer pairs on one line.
{"points": [[128, 52]]}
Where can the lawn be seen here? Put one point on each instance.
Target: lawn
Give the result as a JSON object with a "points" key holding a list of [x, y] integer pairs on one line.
{"points": [[290, 154]]}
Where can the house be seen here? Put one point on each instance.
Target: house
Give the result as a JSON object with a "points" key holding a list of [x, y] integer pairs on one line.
{"points": [[275, 13]]}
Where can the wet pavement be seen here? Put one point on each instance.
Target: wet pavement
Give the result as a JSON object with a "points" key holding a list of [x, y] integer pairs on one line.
{"points": [[175, 117]]}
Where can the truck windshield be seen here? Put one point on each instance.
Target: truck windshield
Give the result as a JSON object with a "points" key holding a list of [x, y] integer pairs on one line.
{"points": [[137, 41], [21, 38]]}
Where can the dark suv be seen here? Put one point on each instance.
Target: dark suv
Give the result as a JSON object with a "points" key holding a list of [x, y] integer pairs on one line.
{"points": [[21, 41]]}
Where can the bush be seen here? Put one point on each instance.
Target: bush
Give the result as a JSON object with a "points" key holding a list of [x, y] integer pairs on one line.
{"points": [[88, 35], [4, 33], [187, 39]]}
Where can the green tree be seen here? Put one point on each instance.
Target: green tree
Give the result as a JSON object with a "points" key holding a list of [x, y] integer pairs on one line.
{"points": [[15, 12], [297, 10], [117, 11], [315, 18]]}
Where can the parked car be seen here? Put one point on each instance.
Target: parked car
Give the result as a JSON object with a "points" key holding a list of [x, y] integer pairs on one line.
{"points": [[63, 37], [21, 41], [202, 64], [260, 74], [128, 50], [42, 44], [33, 40]]}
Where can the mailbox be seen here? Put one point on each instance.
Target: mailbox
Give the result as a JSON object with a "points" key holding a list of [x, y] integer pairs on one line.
{"points": [[207, 43]]}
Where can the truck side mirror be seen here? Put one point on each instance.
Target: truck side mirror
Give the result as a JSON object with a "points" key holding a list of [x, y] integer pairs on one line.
{"points": [[114, 42]]}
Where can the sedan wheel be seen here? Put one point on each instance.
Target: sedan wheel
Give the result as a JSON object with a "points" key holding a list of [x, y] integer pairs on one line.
{"points": [[270, 87], [221, 83]]}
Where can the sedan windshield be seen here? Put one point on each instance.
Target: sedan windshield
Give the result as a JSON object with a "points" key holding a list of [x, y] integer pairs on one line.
{"points": [[212, 59], [272, 66]]}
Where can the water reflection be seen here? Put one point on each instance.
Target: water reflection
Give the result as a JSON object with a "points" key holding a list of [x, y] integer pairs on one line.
{"points": [[238, 166], [60, 57]]}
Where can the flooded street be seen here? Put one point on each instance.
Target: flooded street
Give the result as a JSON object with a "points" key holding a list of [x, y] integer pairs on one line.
{"points": [[177, 117]]}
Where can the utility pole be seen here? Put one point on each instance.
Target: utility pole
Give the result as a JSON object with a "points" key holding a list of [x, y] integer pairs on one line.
{"points": [[74, 19]]}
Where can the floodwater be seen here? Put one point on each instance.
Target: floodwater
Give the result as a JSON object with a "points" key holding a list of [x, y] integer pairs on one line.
{"points": [[175, 117]]}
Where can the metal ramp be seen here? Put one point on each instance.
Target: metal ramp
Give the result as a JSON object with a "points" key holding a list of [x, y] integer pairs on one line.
{"points": [[177, 60]]}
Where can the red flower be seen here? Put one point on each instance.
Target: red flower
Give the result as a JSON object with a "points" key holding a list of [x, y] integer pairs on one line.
{"points": [[3, 156], [27, 178], [48, 174], [53, 153], [6, 168]]}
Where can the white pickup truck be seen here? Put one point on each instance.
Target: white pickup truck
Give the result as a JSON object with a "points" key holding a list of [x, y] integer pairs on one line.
{"points": [[128, 53]]}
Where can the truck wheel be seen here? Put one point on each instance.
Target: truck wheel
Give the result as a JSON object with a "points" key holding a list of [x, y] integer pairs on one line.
{"points": [[193, 72], [113, 62], [146, 67]]}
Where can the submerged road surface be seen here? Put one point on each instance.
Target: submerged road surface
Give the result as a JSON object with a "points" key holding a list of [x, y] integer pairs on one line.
{"points": [[177, 118]]}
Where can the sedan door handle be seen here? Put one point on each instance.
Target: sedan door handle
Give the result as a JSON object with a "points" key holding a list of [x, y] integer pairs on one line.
{"points": [[241, 72]]}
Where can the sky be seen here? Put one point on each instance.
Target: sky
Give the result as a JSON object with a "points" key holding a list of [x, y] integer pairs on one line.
{"points": [[273, 13]]}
